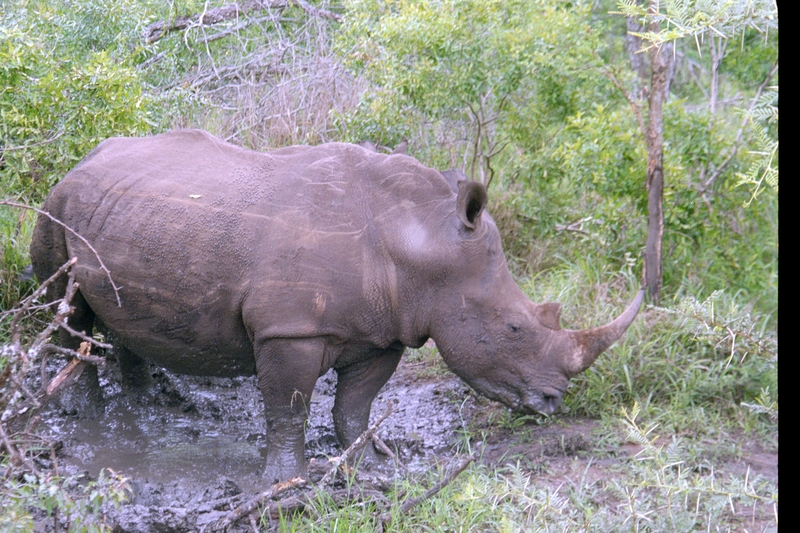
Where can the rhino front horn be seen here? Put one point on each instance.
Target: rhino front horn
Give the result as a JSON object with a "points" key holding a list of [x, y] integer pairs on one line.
{"points": [[592, 342]]}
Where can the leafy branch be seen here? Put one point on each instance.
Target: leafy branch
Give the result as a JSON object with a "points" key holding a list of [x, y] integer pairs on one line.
{"points": [[764, 169], [690, 18], [666, 483], [735, 327]]}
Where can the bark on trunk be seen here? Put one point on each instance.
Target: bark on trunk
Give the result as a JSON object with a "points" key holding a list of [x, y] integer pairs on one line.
{"points": [[661, 60]]}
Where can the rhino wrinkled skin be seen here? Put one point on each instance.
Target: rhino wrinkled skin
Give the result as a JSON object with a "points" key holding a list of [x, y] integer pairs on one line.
{"points": [[288, 263]]}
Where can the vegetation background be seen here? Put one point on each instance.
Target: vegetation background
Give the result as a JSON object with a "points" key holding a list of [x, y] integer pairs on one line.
{"points": [[544, 102]]}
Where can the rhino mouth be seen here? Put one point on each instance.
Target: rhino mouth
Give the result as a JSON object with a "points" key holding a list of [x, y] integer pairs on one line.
{"points": [[546, 402]]}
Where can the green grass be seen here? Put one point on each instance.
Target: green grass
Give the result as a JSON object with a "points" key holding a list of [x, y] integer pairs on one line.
{"points": [[663, 489]]}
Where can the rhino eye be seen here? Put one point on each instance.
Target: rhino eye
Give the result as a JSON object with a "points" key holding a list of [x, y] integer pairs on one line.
{"points": [[514, 328]]}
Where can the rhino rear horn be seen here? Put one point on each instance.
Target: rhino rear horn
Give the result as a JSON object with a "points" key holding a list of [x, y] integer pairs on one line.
{"points": [[592, 342]]}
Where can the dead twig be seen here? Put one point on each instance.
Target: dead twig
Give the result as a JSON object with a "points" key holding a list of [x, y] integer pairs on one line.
{"points": [[80, 237], [26, 304], [53, 349], [340, 497], [234, 10], [388, 451], [63, 325], [297, 482], [410, 503], [29, 146], [248, 507], [359, 443], [317, 12]]}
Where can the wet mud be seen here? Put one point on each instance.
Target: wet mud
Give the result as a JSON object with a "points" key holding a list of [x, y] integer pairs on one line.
{"points": [[194, 449], [196, 442]]}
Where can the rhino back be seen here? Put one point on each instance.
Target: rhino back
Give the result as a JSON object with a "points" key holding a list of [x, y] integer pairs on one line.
{"points": [[214, 246]]}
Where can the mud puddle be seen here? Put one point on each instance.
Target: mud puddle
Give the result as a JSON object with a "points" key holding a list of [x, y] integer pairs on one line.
{"points": [[198, 440]]}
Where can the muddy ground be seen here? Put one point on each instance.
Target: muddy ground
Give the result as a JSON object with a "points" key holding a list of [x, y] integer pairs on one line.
{"points": [[198, 441]]}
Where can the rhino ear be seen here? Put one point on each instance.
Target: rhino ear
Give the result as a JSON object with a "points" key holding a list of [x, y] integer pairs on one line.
{"points": [[471, 200], [550, 315], [401, 148]]}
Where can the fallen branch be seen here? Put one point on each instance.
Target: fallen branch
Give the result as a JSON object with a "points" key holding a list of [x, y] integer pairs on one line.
{"points": [[79, 355], [359, 443], [160, 29], [248, 507], [296, 482], [388, 451], [63, 325], [317, 12], [409, 504], [340, 497], [15, 333]]}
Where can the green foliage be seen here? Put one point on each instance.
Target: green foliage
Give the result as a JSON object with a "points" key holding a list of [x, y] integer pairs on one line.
{"points": [[662, 489], [764, 167], [16, 228], [669, 493], [68, 81], [465, 78], [700, 18], [77, 505]]}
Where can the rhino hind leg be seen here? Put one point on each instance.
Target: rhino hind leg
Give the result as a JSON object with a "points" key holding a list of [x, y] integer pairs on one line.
{"points": [[83, 397], [134, 370], [356, 388], [287, 370]]}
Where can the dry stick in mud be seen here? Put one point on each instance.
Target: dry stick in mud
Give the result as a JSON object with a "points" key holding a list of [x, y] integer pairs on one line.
{"points": [[359, 443], [19, 363], [413, 502], [349, 496], [297, 482], [388, 451]]}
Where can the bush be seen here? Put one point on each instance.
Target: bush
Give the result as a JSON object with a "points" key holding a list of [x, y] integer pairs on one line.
{"points": [[68, 82]]}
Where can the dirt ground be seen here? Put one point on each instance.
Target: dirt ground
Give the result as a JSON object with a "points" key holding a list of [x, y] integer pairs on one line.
{"points": [[197, 444]]}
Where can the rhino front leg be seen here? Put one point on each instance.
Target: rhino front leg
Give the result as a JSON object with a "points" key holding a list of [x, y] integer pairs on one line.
{"points": [[287, 370], [357, 386]]}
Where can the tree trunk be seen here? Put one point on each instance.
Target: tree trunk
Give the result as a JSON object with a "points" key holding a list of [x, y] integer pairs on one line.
{"points": [[661, 59]]}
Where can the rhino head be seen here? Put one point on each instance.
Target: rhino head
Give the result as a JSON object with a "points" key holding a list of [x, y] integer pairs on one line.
{"points": [[490, 334]]}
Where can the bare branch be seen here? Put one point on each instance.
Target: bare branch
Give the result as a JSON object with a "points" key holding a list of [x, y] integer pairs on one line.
{"points": [[388, 451], [316, 12], [63, 310], [16, 458], [359, 443], [28, 301], [29, 146], [66, 352], [248, 507], [413, 502], [82, 239], [63, 325], [160, 29], [631, 100]]}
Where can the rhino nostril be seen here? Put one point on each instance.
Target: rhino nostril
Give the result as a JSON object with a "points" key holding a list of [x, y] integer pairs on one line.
{"points": [[551, 402]]}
